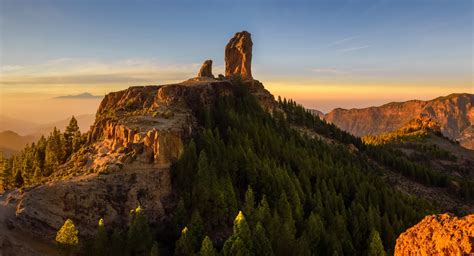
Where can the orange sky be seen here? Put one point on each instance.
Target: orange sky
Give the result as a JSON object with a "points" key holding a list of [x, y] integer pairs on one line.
{"points": [[26, 92]]}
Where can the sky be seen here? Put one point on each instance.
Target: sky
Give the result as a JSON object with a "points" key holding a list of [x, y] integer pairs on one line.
{"points": [[323, 54]]}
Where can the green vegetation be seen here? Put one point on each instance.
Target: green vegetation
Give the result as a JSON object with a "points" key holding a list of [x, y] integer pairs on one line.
{"points": [[67, 237], [385, 153], [250, 184], [297, 194], [39, 160], [375, 246]]}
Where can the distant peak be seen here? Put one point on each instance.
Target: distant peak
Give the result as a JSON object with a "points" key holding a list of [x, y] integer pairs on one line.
{"points": [[84, 95]]}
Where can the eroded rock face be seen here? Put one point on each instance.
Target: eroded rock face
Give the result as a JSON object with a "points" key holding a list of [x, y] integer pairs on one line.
{"points": [[238, 56], [206, 69], [43, 209], [454, 113], [442, 234], [137, 134]]}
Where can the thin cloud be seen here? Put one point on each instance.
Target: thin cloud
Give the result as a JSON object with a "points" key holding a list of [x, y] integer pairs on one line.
{"points": [[342, 41], [351, 49], [91, 71]]}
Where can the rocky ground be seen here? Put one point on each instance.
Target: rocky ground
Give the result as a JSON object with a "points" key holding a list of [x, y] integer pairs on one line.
{"points": [[14, 241], [442, 234]]}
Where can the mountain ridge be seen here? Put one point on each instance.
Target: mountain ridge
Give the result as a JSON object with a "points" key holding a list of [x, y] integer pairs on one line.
{"points": [[454, 113]]}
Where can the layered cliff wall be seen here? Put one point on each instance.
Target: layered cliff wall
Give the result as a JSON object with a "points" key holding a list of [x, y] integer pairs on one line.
{"points": [[454, 113]]}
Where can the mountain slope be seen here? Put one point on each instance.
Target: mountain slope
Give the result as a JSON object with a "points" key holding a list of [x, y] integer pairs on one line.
{"points": [[454, 113], [11, 142], [215, 158], [421, 142]]}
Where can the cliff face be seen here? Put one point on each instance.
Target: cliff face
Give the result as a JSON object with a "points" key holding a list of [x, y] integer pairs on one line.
{"points": [[442, 234], [137, 134], [454, 113]]}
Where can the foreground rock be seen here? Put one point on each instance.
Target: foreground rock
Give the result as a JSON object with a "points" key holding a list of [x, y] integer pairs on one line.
{"points": [[238, 56], [442, 234]]}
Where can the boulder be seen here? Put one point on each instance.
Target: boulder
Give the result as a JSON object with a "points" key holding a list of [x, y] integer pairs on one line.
{"points": [[442, 234], [238, 56]]}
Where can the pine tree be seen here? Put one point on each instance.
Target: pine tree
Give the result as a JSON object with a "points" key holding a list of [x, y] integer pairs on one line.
{"points": [[101, 240], [117, 243], [67, 237], [240, 243], [179, 217], [314, 232], [196, 230], [139, 238], [55, 152], [155, 249], [249, 204], [375, 244], [261, 243], [201, 190], [19, 181], [263, 213], [5, 173], [184, 245], [71, 133], [207, 248]]}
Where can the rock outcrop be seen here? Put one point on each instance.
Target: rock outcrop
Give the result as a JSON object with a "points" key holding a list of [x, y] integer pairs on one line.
{"points": [[85, 199], [238, 56], [442, 234], [206, 69], [137, 134], [454, 113]]}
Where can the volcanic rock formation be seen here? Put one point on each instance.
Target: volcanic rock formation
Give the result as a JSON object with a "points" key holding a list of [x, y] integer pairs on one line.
{"points": [[206, 69], [238, 56], [442, 234], [137, 134]]}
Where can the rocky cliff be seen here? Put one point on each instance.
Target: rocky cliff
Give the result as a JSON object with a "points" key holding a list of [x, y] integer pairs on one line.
{"points": [[442, 234], [454, 113], [137, 134]]}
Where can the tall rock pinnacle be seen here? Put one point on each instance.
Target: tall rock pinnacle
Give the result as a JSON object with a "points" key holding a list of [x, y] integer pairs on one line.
{"points": [[206, 69], [238, 56]]}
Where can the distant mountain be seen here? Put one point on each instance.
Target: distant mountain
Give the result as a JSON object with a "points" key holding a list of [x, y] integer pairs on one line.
{"points": [[317, 113], [84, 122], [23, 127], [84, 95], [11, 142], [17, 125], [454, 113]]}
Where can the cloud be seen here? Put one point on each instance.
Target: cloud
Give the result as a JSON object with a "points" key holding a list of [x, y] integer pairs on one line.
{"points": [[351, 49], [342, 41], [96, 72]]}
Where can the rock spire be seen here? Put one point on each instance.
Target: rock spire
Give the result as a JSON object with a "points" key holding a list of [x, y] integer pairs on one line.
{"points": [[238, 56], [206, 69]]}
